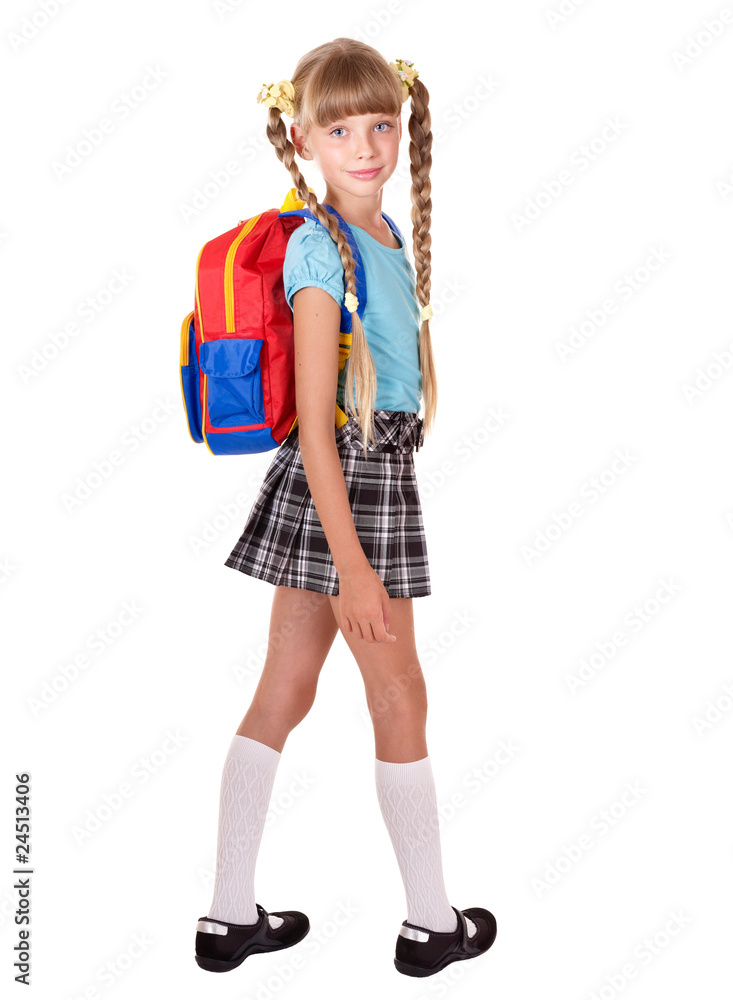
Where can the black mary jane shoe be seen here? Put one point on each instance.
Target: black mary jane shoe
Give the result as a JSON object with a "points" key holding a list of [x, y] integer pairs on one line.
{"points": [[221, 946], [422, 952]]}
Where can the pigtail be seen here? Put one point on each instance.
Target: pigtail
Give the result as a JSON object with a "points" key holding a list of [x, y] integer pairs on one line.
{"points": [[361, 374], [421, 144]]}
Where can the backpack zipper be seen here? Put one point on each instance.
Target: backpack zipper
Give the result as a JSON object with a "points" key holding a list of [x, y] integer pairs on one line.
{"points": [[184, 339], [229, 273]]}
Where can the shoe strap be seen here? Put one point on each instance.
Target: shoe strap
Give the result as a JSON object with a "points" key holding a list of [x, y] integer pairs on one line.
{"points": [[211, 927], [464, 928], [414, 933]]}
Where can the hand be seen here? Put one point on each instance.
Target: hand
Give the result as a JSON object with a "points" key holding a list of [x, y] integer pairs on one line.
{"points": [[364, 605]]}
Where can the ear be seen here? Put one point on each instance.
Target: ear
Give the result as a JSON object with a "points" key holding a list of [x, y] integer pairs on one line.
{"points": [[298, 140]]}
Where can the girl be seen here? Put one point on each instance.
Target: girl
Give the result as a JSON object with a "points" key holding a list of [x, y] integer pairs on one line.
{"points": [[337, 525]]}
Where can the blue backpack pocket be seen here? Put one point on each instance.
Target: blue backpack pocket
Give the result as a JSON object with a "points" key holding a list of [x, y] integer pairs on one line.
{"points": [[234, 381], [190, 379]]}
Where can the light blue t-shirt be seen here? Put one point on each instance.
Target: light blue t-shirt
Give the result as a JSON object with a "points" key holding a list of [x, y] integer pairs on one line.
{"points": [[392, 315]]}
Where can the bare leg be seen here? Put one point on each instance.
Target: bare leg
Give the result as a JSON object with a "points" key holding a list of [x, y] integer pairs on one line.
{"points": [[397, 700], [302, 630], [394, 684]]}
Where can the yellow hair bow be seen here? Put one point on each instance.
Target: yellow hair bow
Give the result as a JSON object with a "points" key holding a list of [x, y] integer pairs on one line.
{"points": [[278, 95], [426, 312], [407, 75]]}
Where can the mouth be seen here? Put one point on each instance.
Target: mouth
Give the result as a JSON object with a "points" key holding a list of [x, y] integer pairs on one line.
{"points": [[364, 175]]}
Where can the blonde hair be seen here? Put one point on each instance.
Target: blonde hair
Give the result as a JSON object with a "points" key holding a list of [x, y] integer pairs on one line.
{"points": [[335, 80]]}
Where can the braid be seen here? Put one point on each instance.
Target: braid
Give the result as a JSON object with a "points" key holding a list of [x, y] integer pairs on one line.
{"points": [[360, 368], [421, 144]]}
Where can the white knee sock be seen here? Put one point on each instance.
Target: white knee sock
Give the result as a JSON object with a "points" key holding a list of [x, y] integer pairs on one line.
{"points": [[407, 798], [246, 787]]}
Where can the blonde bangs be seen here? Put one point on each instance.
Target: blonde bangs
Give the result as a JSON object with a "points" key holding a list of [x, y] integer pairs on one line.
{"points": [[349, 83]]}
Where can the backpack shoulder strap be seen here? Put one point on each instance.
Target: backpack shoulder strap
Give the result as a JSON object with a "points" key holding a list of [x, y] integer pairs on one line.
{"points": [[359, 275], [393, 226]]}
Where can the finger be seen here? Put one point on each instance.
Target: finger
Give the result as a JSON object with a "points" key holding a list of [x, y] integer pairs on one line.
{"points": [[386, 617], [362, 629], [381, 634], [387, 634], [367, 632]]}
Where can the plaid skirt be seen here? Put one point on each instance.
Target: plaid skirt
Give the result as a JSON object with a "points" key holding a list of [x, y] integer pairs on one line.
{"points": [[283, 541]]}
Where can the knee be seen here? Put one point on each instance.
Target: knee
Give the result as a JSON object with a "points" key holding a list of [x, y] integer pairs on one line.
{"points": [[401, 700], [290, 707], [300, 705]]}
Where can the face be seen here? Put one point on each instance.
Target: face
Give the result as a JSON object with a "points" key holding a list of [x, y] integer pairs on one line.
{"points": [[356, 156]]}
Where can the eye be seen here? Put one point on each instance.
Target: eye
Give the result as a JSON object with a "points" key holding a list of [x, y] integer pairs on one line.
{"points": [[339, 128], [386, 126]]}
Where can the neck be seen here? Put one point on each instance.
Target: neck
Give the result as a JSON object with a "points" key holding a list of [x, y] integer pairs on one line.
{"points": [[366, 213]]}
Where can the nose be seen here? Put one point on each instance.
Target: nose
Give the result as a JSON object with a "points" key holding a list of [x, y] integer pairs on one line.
{"points": [[363, 148]]}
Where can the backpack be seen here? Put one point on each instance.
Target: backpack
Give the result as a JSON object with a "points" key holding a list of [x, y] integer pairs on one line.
{"points": [[237, 352]]}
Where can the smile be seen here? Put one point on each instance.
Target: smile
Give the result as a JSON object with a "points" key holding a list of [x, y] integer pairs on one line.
{"points": [[364, 175]]}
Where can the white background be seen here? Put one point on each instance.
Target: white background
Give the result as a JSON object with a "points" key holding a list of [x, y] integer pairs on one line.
{"points": [[514, 99]]}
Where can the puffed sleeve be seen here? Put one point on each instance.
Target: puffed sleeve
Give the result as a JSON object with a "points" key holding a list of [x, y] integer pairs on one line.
{"points": [[312, 259]]}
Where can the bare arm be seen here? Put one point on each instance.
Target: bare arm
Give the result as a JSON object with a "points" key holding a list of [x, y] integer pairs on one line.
{"points": [[363, 600]]}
